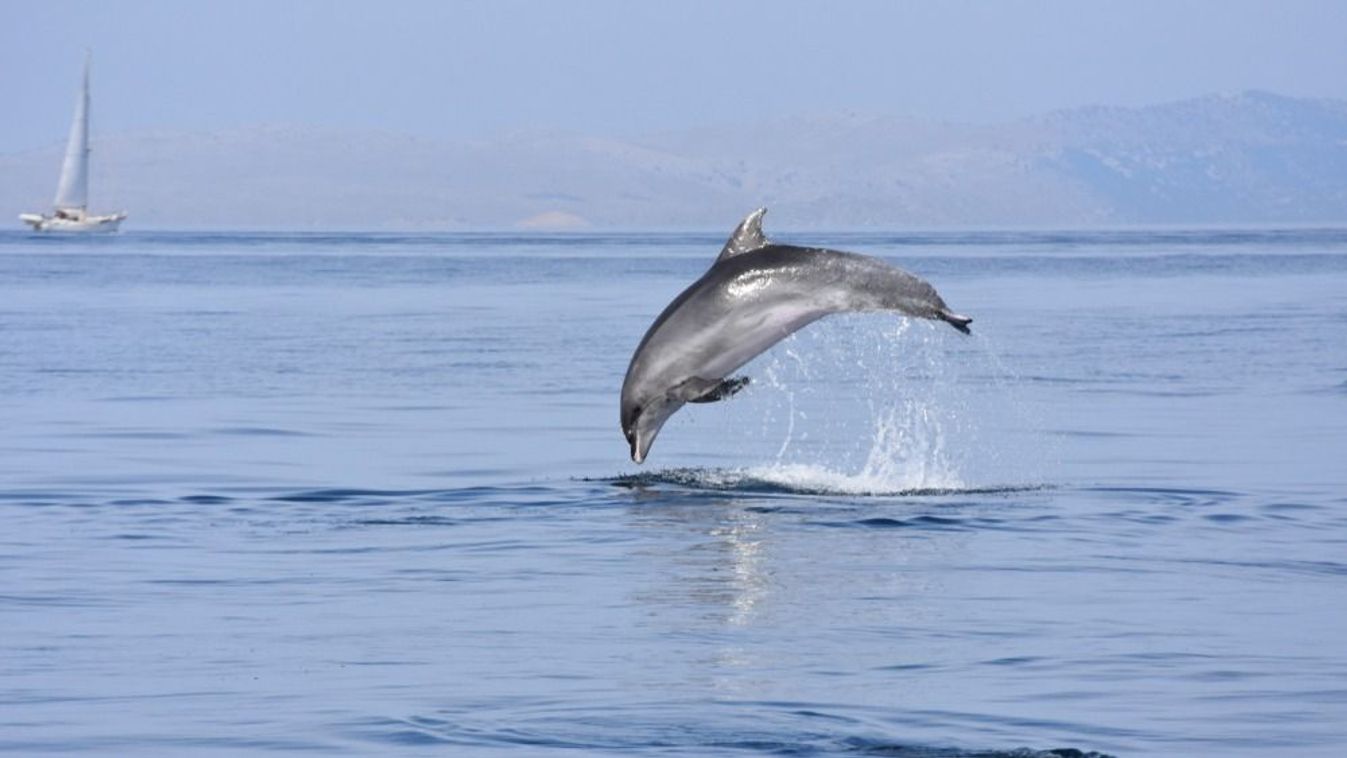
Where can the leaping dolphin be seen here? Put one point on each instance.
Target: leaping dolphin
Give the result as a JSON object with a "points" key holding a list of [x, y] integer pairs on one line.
{"points": [[755, 295]]}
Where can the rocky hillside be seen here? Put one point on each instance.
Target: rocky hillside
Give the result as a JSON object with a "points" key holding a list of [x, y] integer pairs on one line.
{"points": [[1251, 158]]}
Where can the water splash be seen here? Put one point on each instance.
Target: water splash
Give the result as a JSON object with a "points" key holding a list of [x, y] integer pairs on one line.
{"points": [[868, 404], [852, 407], [909, 449]]}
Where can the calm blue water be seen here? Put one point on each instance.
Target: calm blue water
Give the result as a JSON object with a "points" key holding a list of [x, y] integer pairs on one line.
{"points": [[368, 495]]}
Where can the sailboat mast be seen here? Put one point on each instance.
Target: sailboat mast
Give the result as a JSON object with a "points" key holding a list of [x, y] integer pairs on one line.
{"points": [[72, 193]]}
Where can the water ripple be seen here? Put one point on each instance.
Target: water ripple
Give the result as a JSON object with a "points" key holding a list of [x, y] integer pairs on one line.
{"points": [[795, 480], [783, 729]]}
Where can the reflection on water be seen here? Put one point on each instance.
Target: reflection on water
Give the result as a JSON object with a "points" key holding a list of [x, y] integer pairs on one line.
{"points": [[742, 546], [721, 569]]}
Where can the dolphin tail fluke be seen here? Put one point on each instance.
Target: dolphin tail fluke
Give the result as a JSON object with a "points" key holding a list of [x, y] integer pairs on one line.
{"points": [[955, 320]]}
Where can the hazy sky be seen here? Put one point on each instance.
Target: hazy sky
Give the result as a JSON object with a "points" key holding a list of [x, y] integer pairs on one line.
{"points": [[617, 67]]}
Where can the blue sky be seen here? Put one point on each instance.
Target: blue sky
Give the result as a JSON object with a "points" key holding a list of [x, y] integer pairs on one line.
{"points": [[458, 69]]}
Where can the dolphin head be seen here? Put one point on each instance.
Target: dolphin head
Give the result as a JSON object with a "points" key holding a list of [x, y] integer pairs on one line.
{"points": [[642, 419]]}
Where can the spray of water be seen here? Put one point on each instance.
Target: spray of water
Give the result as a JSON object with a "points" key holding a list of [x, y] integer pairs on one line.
{"points": [[863, 405], [884, 416]]}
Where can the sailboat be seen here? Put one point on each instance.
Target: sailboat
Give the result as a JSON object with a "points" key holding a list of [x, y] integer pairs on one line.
{"points": [[72, 193]]}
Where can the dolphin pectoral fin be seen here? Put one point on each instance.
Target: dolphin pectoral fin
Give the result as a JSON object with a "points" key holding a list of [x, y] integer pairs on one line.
{"points": [[955, 320], [724, 389], [699, 390]]}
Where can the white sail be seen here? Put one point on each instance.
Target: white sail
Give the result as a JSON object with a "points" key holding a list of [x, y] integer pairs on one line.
{"points": [[73, 191]]}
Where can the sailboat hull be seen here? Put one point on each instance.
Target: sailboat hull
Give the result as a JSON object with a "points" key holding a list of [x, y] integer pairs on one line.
{"points": [[85, 225]]}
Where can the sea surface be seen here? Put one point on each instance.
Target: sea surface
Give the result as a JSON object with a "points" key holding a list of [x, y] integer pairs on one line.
{"points": [[367, 495]]}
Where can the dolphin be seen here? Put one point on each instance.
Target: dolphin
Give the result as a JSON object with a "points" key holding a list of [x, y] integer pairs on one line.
{"points": [[755, 294]]}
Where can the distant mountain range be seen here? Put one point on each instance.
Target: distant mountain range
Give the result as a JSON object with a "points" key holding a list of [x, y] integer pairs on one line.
{"points": [[1249, 158]]}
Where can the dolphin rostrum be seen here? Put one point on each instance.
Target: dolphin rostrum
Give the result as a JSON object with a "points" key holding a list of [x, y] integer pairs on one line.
{"points": [[756, 294]]}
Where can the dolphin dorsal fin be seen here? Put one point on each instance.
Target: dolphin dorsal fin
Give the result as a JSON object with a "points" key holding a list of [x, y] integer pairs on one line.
{"points": [[747, 236]]}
